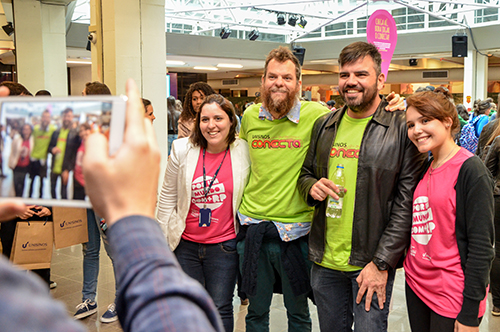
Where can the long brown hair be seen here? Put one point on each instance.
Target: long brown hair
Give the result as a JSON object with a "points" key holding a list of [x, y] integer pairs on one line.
{"points": [[197, 137], [188, 111], [494, 133]]}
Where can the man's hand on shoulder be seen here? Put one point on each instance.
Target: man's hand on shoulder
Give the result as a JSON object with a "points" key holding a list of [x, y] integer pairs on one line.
{"points": [[396, 102], [126, 183]]}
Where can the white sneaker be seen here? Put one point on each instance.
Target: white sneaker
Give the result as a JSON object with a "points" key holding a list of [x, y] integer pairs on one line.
{"points": [[110, 315]]}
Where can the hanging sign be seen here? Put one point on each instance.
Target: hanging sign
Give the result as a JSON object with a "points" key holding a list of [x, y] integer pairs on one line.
{"points": [[381, 31]]}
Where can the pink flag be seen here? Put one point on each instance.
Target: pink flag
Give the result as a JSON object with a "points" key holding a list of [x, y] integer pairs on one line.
{"points": [[382, 32]]}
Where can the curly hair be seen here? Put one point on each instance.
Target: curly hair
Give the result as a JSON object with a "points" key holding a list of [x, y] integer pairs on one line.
{"points": [[188, 111]]}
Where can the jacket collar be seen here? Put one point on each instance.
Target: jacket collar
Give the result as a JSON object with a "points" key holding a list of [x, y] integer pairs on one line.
{"points": [[381, 116]]}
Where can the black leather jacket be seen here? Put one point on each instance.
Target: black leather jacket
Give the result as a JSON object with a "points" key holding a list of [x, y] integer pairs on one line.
{"points": [[388, 168]]}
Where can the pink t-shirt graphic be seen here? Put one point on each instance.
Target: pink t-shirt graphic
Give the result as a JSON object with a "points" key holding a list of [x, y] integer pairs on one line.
{"points": [[219, 200], [433, 266]]}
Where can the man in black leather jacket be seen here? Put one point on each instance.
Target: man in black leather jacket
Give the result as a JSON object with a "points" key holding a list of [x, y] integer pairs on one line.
{"points": [[356, 254]]}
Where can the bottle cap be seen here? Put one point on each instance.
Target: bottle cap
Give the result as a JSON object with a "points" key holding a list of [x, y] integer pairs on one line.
{"points": [[340, 166]]}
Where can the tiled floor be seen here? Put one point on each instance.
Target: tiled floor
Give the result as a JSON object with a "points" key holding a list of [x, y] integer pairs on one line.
{"points": [[67, 272]]}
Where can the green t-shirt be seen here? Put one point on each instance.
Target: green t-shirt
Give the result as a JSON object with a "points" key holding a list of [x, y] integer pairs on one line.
{"points": [[345, 150], [462, 121], [42, 140], [61, 144], [277, 151]]}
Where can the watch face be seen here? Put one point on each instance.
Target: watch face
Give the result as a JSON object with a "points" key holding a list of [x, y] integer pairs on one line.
{"points": [[381, 265]]}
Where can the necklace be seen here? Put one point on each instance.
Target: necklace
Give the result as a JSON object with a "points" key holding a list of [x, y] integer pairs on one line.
{"points": [[432, 169], [442, 161]]}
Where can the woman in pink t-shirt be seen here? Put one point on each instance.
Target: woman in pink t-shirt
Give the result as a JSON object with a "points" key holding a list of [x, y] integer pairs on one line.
{"points": [[203, 186], [78, 181], [449, 259], [19, 160]]}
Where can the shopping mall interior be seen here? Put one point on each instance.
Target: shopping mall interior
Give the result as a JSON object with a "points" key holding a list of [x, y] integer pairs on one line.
{"points": [[166, 45]]}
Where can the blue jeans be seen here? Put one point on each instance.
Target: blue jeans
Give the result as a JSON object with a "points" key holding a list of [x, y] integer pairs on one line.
{"points": [[335, 294], [171, 138], [215, 266], [269, 267], [91, 257]]}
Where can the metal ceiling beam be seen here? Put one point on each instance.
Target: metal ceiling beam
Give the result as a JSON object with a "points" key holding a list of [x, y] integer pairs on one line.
{"points": [[431, 13], [458, 2], [330, 22]]}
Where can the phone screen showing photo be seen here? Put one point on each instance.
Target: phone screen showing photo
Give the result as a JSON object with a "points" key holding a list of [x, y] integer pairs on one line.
{"points": [[43, 144]]}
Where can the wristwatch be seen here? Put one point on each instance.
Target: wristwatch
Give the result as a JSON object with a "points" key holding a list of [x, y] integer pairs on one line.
{"points": [[380, 264]]}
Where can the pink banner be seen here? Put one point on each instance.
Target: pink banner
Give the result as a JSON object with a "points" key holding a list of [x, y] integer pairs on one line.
{"points": [[382, 32]]}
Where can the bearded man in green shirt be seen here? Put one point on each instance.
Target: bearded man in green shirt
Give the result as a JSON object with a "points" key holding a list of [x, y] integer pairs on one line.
{"points": [[42, 134]]}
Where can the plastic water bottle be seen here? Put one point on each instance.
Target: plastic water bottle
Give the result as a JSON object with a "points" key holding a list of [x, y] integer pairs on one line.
{"points": [[334, 207]]}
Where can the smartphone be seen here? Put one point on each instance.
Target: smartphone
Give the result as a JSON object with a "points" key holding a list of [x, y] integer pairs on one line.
{"points": [[42, 145]]}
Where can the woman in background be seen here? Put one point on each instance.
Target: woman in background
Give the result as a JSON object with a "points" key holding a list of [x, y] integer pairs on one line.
{"points": [[78, 181], [204, 181], [194, 98], [19, 159], [173, 121], [492, 162], [448, 263]]}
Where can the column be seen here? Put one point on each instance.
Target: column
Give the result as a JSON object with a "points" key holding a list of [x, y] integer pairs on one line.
{"points": [[475, 78], [131, 43], [40, 42]]}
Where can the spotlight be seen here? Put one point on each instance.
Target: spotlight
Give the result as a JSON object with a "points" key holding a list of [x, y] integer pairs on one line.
{"points": [[8, 28], [225, 33], [292, 20], [302, 22], [413, 62], [281, 19], [254, 34]]}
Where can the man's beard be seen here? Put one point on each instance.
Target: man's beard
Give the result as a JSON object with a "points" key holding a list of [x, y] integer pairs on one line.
{"points": [[359, 106], [278, 106]]}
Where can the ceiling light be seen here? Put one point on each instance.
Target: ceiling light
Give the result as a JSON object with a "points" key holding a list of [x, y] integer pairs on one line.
{"points": [[8, 28], [281, 19], [174, 63], [254, 34], [225, 33], [79, 62], [229, 65], [205, 68], [292, 20], [302, 22]]}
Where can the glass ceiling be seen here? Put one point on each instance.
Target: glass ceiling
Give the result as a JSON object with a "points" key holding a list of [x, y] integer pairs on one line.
{"points": [[320, 20]]}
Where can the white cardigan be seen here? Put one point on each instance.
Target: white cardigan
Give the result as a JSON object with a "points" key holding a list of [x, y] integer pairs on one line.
{"points": [[175, 197], [15, 150]]}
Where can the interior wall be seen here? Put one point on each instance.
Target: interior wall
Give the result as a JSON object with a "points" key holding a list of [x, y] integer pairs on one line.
{"points": [[394, 77], [78, 77]]}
